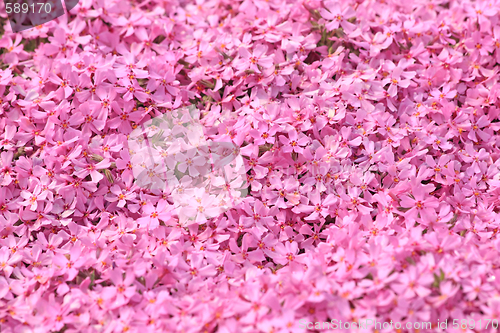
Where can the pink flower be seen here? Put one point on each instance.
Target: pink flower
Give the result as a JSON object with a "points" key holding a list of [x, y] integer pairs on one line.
{"points": [[284, 254], [154, 215], [475, 287], [294, 142], [445, 93], [279, 191], [122, 290], [369, 135], [85, 169], [447, 290], [190, 162], [33, 197], [67, 83], [196, 269], [417, 201], [13, 47], [264, 134], [338, 16], [7, 170], [9, 259], [481, 44], [70, 266], [242, 255], [120, 195], [437, 168], [90, 115], [413, 283], [254, 59], [52, 244], [353, 200], [317, 206], [258, 215]]}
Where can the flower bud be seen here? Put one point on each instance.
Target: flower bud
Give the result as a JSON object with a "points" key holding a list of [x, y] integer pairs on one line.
{"points": [[97, 158]]}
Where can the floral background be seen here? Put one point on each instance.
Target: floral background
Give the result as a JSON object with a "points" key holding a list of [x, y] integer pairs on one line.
{"points": [[369, 138]]}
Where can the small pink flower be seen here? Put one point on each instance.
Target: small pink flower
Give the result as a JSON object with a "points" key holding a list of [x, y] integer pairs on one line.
{"points": [[257, 58], [294, 142], [85, 169], [122, 291], [338, 16], [32, 198], [120, 195], [417, 202], [71, 265], [154, 215]]}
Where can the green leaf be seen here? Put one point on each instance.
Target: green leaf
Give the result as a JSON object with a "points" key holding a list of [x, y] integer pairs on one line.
{"points": [[438, 279]]}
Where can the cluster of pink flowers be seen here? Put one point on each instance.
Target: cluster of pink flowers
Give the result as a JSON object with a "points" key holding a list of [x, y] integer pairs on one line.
{"points": [[370, 137]]}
